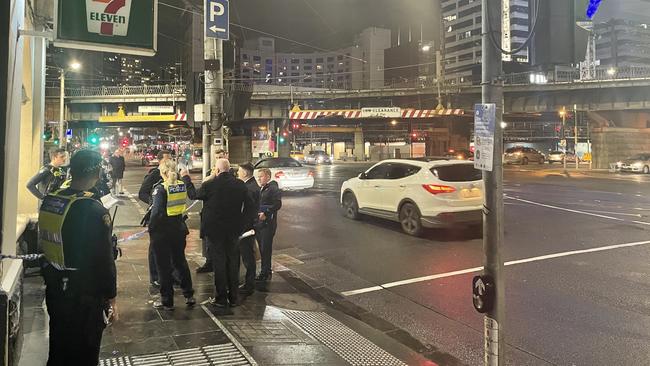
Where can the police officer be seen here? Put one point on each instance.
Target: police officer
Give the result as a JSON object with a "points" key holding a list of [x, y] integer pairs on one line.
{"points": [[168, 231], [50, 177], [80, 276]]}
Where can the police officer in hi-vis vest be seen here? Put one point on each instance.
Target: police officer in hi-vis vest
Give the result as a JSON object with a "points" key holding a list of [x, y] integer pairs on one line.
{"points": [[168, 231], [80, 277]]}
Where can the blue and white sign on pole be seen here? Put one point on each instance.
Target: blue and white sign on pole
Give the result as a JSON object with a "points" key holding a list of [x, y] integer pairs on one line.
{"points": [[217, 22], [484, 125], [68, 133]]}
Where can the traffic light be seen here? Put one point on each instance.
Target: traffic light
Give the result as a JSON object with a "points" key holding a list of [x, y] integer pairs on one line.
{"points": [[285, 133], [281, 139], [93, 139], [47, 133], [56, 141], [125, 142]]}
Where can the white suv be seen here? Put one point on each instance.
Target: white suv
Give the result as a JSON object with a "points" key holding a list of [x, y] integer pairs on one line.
{"points": [[417, 193]]}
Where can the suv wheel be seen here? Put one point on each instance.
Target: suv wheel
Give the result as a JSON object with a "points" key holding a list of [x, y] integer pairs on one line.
{"points": [[541, 160], [524, 161], [409, 218], [350, 206], [646, 170]]}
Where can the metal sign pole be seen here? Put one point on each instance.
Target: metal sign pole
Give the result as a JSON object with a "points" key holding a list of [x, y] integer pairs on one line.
{"points": [[492, 92]]}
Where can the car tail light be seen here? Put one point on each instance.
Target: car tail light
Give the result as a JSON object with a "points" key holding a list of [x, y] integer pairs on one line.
{"points": [[279, 174], [438, 189], [310, 173]]}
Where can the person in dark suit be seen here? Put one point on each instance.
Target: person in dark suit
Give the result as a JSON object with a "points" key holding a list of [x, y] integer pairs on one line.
{"points": [[247, 244], [227, 206], [270, 204], [119, 165]]}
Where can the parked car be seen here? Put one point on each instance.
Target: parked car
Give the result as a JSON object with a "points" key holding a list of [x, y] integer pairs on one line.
{"points": [[288, 172], [196, 160], [417, 193], [523, 155], [318, 157], [298, 155], [459, 154], [150, 157], [558, 157], [639, 163]]}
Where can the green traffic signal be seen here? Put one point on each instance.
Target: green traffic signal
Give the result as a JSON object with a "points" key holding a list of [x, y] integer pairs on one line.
{"points": [[93, 139], [282, 140]]}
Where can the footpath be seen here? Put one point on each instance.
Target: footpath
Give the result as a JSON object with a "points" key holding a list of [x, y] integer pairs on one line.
{"points": [[285, 322]]}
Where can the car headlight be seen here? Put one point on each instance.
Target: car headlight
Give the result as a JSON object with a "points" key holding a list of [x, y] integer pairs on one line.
{"points": [[619, 164], [638, 164]]}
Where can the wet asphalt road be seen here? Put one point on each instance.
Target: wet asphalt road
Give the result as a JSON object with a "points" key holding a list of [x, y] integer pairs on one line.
{"points": [[590, 308]]}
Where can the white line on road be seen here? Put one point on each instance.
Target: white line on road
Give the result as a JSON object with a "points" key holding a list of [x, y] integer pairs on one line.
{"points": [[477, 269], [616, 213]]}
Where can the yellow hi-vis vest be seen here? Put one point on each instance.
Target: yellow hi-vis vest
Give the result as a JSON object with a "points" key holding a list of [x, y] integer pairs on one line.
{"points": [[50, 225], [176, 198]]}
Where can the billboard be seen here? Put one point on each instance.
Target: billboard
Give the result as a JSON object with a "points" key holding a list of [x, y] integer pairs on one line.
{"points": [[121, 26]]}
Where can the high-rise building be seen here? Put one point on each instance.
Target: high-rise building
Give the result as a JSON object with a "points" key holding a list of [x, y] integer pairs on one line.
{"points": [[359, 66], [622, 43], [410, 63], [462, 36]]}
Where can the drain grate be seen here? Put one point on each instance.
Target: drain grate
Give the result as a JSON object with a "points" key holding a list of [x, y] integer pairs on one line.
{"points": [[216, 355], [351, 346]]}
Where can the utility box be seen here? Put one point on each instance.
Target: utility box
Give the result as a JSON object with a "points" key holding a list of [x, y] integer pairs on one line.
{"points": [[202, 113]]}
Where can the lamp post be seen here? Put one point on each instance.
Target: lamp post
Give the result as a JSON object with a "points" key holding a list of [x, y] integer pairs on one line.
{"points": [[74, 66], [563, 115]]}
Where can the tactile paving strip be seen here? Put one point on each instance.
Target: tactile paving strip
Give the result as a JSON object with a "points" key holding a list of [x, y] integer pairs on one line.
{"points": [[216, 355], [348, 344]]}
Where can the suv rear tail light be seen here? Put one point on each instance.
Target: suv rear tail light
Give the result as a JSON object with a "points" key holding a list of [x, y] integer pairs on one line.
{"points": [[438, 189], [279, 174]]}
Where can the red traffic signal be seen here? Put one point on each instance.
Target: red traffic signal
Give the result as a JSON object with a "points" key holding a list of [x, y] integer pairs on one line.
{"points": [[285, 133], [125, 142]]}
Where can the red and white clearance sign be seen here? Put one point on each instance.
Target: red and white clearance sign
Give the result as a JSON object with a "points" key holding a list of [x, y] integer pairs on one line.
{"points": [[108, 17]]}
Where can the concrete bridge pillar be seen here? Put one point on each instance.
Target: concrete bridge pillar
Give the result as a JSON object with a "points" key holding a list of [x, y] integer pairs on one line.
{"points": [[359, 145]]}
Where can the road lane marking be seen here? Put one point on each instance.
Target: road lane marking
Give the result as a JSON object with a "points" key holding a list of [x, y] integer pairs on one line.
{"points": [[477, 269], [578, 211], [564, 209], [616, 213]]}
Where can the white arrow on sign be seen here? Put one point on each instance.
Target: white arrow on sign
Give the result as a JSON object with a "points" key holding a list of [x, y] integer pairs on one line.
{"points": [[216, 29], [480, 286]]}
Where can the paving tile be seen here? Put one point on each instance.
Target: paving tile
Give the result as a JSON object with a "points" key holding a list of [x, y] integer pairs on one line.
{"points": [[294, 355], [200, 339]]}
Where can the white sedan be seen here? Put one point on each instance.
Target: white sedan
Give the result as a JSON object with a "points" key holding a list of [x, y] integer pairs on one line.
{"points": [[288, 173], [417, 193]]}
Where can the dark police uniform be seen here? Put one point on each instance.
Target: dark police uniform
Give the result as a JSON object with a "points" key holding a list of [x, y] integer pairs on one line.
{"points": [[48, 179], [247, 245], [80, 276], [168, 231], [144, 194], [270, 204]]}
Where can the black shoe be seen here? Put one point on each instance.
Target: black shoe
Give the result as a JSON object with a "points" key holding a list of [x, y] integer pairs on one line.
{"points": [[219, 304], [246, 290], [190, 301], [234, 303], [155, 283], [262, 277], [206, 268], [158, 304]]}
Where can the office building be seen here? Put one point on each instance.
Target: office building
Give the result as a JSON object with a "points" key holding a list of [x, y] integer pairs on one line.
{"points": [[462, 37], [359, 66], [621, 43]]}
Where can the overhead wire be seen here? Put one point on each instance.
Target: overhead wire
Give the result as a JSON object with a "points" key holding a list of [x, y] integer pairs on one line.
{"points": [[494, 41], [270, 34]]}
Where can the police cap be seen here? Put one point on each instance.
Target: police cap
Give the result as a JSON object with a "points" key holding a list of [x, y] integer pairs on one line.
{"points": [[85, 162]]}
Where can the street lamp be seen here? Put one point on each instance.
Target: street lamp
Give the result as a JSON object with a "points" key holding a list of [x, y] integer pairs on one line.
{"points": [[426, 48], [74, 66], [393, 122], [611, 71], [563, 115]]}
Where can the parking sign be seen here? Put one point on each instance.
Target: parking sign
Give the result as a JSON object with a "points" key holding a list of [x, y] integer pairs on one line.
{"points": [[217, 22], [484, 125]]}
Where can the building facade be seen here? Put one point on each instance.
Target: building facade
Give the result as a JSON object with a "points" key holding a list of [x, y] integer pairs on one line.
{"points": [[621, 43], [462, 37], [359, 66]]}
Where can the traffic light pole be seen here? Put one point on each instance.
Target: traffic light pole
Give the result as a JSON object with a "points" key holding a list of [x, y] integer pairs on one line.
{"points": [[62, 141], [212, 50], [492, 92]]}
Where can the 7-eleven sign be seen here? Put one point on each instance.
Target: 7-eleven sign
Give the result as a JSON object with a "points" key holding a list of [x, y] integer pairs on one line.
{"points": [[108, 17]]}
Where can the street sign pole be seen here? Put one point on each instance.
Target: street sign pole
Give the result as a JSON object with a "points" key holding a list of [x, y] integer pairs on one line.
{"points": [[216, 29], [575, 136], [492, 92]]}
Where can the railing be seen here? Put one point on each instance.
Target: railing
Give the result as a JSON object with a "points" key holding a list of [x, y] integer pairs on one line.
{"points": [[560, 76], [107, 91]]}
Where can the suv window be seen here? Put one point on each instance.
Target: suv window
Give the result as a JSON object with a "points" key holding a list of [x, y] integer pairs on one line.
{"points": [[399, 171], [378, 172], [278, 163], [457, 173], [513, 149]]}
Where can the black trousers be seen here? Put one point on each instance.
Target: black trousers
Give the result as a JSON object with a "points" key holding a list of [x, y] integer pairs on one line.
{"points": [[153, 270], [225, 260], [205, 251], [76, 326], [247, 250], [169, 250], [265, 236]]}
